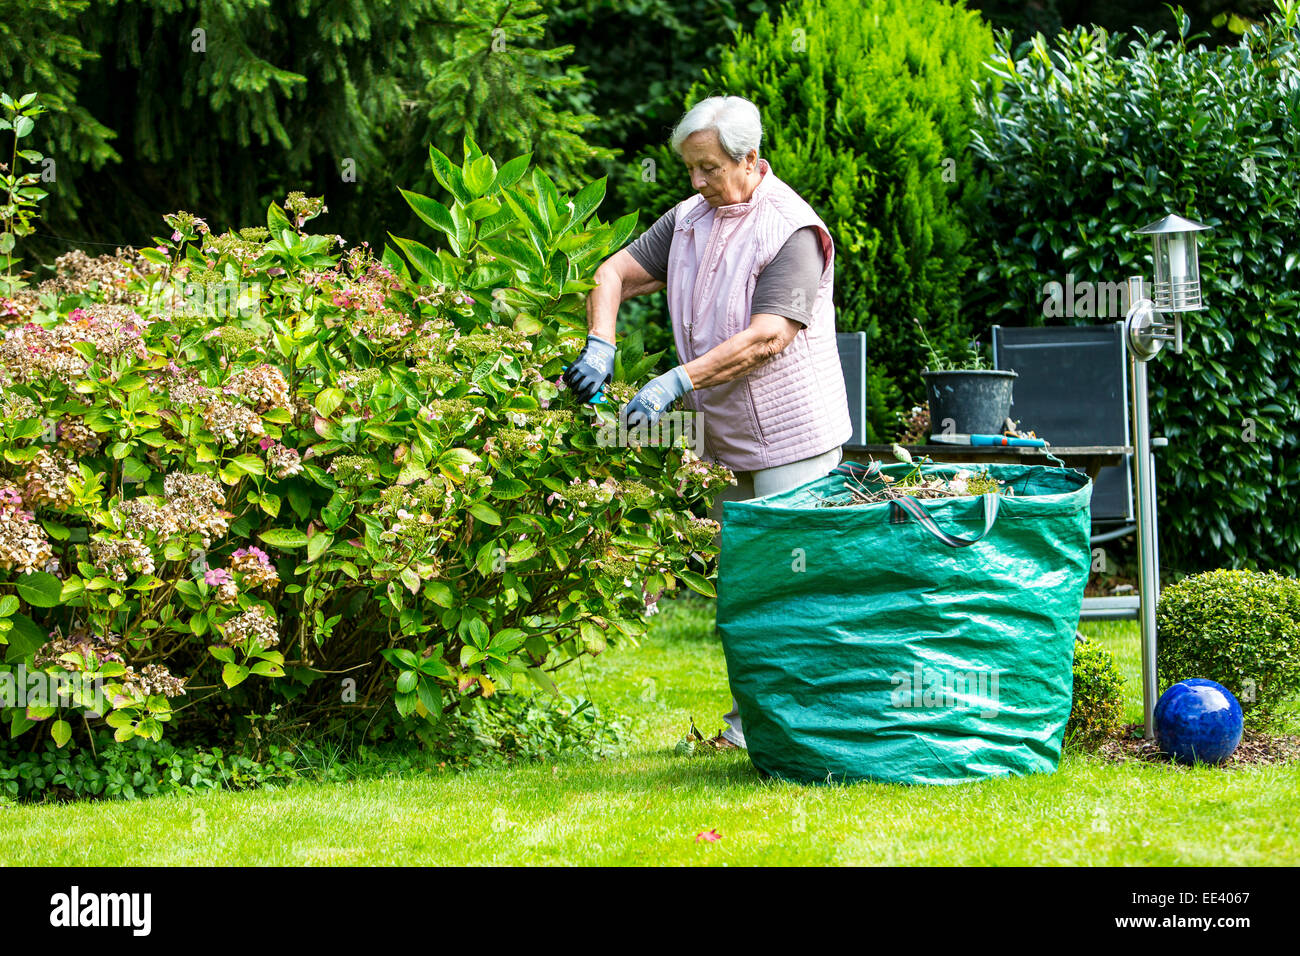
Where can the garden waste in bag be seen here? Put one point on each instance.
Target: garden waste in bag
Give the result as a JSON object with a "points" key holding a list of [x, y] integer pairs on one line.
{"points": [[923, 641]]}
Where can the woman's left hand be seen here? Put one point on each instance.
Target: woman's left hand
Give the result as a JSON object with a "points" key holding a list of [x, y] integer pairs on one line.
{"points": [[650, 403]]}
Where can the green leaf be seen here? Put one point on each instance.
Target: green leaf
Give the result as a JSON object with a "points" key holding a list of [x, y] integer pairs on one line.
{"points": [[405, 703], [479, 175], [538, 230], [429, 695], [479, 635], [284, 537], [513, 171], [8, 604], [276, 220], [543, 680], [507, 488], [431, 211], [20, 725], [697, 583], [400, 655], [328, 400], [484, 513], [336, 512], [424, 258], [455, 463], [250, 464], [623, 227], [61, 731], [481, 208], [39, 589], [442, 167], [521, 551], [233, 674], [440, 593], [267, 669], [406, 681], [318, 544], [134, 470], [588, 198], [411, 579], [515, 251]]}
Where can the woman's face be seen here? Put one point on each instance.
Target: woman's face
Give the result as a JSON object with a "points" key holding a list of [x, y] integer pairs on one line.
{"points": [[715, 175]]}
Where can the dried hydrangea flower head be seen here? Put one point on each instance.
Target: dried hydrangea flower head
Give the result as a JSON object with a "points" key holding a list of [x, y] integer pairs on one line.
{"points": [[154, 679], [24, 546], [45, 482], [255, 628], [256, 567], [75, 436], [231, 424], [263, 385], [118, 556], [282, 462], [196, 504]]}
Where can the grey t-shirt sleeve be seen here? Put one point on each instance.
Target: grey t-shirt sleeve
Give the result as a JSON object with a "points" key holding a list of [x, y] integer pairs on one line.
{"points": [[791, 279], [650, 249]]}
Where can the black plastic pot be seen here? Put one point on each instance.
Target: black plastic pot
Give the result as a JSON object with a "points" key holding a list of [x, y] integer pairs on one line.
{"points": [[969, 402]]}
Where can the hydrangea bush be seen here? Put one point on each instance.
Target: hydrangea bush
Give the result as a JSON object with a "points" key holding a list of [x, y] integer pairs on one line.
{"points": [[240, 472]]}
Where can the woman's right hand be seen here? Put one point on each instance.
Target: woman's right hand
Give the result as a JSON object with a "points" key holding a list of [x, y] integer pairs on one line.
{"points": [[593, 370]]}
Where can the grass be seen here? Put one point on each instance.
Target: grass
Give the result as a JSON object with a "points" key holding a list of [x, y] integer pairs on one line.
{"points": [[649, 807]]}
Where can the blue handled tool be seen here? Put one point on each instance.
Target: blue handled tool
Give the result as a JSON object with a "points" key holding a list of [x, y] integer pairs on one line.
{"points": [[963, 439], [598, 398], [1007, 440]]}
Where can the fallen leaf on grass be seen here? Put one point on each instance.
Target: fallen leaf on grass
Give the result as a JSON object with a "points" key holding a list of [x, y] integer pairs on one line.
{"points": [[708, 836]]}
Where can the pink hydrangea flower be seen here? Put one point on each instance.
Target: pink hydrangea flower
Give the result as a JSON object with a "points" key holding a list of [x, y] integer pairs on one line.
{"points": [[256, 552]]}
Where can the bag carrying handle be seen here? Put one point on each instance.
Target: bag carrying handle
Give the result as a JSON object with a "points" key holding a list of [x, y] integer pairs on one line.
{"points": [[900, 508], [855, 470]]}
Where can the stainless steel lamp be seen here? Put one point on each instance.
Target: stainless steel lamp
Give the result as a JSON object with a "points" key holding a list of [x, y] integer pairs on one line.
{"points": [[1177, 289]]}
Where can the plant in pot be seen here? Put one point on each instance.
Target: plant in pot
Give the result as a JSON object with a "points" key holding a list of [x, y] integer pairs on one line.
{"points": [[966, 396]]}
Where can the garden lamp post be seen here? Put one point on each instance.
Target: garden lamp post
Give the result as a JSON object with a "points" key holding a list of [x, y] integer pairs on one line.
{"points": [[1176, 289]]}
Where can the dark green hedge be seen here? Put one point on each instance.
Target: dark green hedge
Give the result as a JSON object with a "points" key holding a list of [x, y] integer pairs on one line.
{"points": [[1093, 136]]}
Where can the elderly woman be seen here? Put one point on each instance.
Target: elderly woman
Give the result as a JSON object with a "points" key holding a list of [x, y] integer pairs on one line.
{"points": [[749, 269]]}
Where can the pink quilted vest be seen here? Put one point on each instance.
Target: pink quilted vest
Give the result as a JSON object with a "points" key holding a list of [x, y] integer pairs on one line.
{"points": [[794, 406]]}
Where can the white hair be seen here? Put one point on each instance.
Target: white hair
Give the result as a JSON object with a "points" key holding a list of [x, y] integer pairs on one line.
{"points": [[734, 118]]}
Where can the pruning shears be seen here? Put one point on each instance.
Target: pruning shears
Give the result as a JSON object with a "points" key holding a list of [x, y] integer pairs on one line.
{"points": [[598, 398]]}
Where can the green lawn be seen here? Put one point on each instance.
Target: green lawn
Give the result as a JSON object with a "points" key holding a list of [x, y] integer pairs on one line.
{"points": [[649, 807]]}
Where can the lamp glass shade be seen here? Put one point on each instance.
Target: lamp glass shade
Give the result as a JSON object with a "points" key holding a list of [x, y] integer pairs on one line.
{"points": [[1177, 286]]}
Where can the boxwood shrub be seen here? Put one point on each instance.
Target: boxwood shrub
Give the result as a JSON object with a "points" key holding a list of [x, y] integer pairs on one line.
{"points": [[1237, 627], [1098, 695]]}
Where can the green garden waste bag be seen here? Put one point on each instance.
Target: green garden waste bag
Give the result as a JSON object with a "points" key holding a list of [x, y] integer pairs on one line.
{"points": [[930, 641]]}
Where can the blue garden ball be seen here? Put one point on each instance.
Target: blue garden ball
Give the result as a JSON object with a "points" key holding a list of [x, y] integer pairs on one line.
{"points": [[1198, 719]]}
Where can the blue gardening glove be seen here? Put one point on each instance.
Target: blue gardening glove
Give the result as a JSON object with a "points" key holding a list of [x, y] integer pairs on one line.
{"points": [[593, 370], [649, 403]]}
